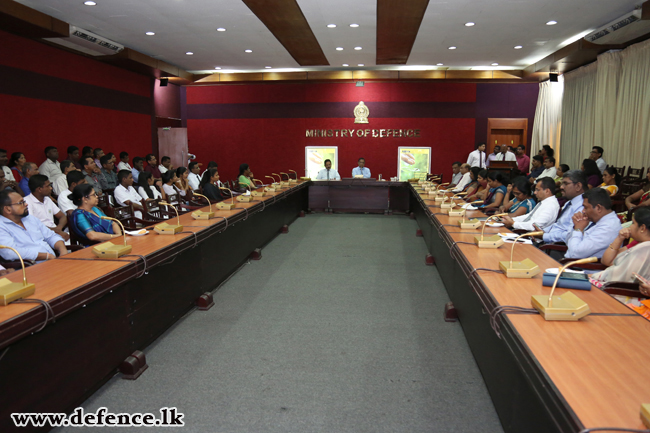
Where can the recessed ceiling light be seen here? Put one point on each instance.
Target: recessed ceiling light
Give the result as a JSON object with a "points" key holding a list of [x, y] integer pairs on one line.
{"points": [[439, 64], [267, 67], [89, 3], [358, 48], [221, 29], [248, 51], [345, 64], [354, 25], [469, 24], [495, 64], [150, 33], [217, 67], [361, 64], [189, 53], [551, 23], [452, 48], [518, 47], [331, 26], [339, 48]]}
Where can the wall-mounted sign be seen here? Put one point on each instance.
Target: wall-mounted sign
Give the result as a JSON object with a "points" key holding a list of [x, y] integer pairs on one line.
{"points": [[363, 133], [411, 161], [361, 113]]}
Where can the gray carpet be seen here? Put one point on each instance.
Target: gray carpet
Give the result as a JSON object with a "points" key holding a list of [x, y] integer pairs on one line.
{"points": [[337, 329]]}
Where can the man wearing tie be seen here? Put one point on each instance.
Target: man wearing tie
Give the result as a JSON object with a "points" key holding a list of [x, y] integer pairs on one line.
{"points": [[361, 170], [572, 187], [477, 157], [542, 215], [327, 173]]}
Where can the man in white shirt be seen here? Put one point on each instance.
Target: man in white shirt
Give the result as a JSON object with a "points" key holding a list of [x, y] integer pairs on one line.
{"points": [[51, 167], [4, 161], [42, 207], [597, 155], [327, 173], [124, 162], [465, 179], [506, 155], [165, 164], [456, 175], [193, 178], [361, 170], [477, 157], [61, 183], [542, 215], [126, 195], [73, 179], [549, 169]]}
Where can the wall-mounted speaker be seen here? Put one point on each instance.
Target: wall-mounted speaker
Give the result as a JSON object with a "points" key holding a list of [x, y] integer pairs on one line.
{"points": [[552, 77], [164, 81]]}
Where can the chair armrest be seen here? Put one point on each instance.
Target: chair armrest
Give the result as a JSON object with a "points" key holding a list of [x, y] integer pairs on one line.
{"points": [[554, 247], [623, 288]]}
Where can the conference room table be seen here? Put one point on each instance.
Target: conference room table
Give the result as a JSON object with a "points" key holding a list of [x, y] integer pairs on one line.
{"points": [[542, 376]]}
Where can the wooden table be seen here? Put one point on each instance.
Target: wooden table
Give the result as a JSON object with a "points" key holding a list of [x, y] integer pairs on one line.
{"points": [[359, 195], [542, 376]]}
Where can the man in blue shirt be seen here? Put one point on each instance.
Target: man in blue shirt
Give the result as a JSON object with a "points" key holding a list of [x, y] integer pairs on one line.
{"points": [[595, 228], [538, 168], [573, 186], [361, 170], [24, 232], [29, 170]]}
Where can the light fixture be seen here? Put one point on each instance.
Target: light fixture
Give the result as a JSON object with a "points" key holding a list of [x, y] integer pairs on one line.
{"points": [[89, 3], [267, 67], [331, 26], [221, 29], [354, 25], [248, 51], [439, 64], [358, 48], [339, 48], [189, 53], [469, 24], [495, 64], [452, 48], [551, 23], [518, 47], [345, 64], [361, 64], [217, 67], [150, 33]]}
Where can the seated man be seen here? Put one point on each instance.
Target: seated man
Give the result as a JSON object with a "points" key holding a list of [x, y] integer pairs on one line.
{"points": [[573, 186], [465, 179], [126, 195], [61, 184], [361, 170], [29, 170], [165, 165], [24, 232], [594, 228], [66, 205], [108, 171], [124, 162], [456, 175], [97, 154], [9, 185], [543, 214], [51, 167], [42, 206], [138, 167], [549, 169], [152, 167], [94, 176], [537, 169], [194, 178], [327, 173]]}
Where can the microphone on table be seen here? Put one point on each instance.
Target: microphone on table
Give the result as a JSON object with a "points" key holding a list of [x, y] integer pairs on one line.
{"points": [[271, 188], [280, 183], [494, 241], [222, 205], [471, 224], [524, 269], [461, 211], [109, 250], [567, 307], [169, 229], [10, 291], [257, 193], [245, 198], [293, 180], [201, 215]]}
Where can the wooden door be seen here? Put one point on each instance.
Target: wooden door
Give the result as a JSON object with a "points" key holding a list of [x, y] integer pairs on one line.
{"points": [[511, 132], [172, 142]]}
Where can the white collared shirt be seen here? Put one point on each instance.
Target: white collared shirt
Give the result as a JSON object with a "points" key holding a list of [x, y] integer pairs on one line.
{"points": [[543, 215], [65, 204], [51, 169], [358, 171], [124, 166], [602, 165], [548, 172], [122, 195], [476, 159], [143, 193], [333, 175], [194, 180], [9, 175], [463, 182], [60, 185], [509, 157], [44, 210], [162, 169]]}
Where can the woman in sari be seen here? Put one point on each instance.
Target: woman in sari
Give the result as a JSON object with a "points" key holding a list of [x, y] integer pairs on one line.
{"points": [[611, 179], [86, 219], [522, 203], [498, 186], [481, 188]]}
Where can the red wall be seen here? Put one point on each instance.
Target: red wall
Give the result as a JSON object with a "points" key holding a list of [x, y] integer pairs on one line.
{"points": [[264, 124], [50, 97]]}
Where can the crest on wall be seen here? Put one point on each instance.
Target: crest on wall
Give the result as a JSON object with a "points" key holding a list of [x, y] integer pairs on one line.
{"points": [[361, 113]]}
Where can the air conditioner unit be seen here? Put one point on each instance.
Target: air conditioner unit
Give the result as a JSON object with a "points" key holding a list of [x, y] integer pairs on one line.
{"points": [[87, 42], [621, 30]]}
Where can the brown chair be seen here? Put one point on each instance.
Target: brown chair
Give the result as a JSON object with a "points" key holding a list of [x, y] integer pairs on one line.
{"points": [[595, 266], [103, 201], [153, 210], [77, 240], [623, 289], [634, 174], [127, 217]]}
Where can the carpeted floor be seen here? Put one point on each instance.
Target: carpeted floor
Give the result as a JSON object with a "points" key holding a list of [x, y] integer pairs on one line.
{"points": [[337, 329]]}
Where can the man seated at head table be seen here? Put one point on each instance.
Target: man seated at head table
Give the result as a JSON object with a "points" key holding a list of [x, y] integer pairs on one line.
{"points": [[126, 195], [87, 221], [465, 177], [572, 186], [24, 232], [327, 173], [42, 207], [361, 170], [64, 200], [543, 214], [595, 228]]}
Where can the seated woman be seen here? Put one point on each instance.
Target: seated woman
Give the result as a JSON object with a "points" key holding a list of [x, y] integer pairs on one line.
{"points": [[641, 197], [182, 184], [592, 173], [169, 179], [209, 184], [522, 203], [481, 187], [498, 187], [86, 220], [245, 178], [611, 179], [146, 188], [16, 163]]}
